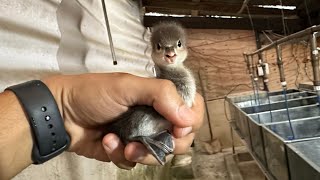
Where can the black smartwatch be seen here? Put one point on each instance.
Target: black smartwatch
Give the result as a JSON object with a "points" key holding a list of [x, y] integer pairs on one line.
{"points": [[48, 132]]}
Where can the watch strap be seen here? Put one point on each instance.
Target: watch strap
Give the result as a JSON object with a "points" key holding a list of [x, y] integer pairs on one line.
{"points": [[49, 135]]}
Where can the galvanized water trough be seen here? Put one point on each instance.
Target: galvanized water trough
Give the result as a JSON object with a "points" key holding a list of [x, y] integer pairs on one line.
{"points": [[265, 128]]}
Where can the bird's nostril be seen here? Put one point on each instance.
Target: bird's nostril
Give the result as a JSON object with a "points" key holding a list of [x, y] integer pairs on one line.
{"points": [[170, 55]]}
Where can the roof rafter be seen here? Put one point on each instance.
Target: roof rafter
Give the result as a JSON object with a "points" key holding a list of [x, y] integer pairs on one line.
{"points": [[206, 6], [228, 23]]}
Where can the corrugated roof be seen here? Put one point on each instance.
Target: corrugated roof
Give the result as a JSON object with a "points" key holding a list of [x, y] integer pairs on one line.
{"points": [[251, 14]]}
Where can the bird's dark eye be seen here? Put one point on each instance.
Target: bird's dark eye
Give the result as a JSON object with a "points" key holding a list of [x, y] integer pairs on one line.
{"points": [[158, 46], [179, 43]]}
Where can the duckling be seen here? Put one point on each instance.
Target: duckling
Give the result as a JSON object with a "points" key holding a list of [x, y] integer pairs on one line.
{"points": [[143, 123]]}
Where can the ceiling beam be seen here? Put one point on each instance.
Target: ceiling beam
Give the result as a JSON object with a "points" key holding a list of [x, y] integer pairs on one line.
{"points": [[228, 23], [195, 12], [239, 2], [210, 6], [309, 6], [214, 13]]}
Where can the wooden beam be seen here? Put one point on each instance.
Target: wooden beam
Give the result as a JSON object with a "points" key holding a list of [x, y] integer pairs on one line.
{"points": [[210, 6], [274, 2], [195, 12], [310, 6], [213, 13], [227, 23], [309, 11], [239, 2]]}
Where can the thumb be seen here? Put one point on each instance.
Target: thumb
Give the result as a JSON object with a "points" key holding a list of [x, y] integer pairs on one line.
{"points": [[159, 93]]}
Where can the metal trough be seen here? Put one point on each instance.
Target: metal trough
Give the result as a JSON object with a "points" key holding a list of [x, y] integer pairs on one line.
{"points": [[241, 124], [300, 112], [269, 147], [249, 129], [237, 102], [277, 135], [304, 160], [247, 99], [263, 98], [257, 120], [281, 105]]}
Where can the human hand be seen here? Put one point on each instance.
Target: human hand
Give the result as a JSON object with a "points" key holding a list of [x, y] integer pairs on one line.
{"points": [[89, 102], [137, 152]]}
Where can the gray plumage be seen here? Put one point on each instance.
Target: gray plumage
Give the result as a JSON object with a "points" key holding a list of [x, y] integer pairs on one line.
{"points": [[143, 123]]}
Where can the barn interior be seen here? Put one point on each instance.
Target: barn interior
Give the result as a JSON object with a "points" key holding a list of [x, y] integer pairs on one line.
{"points": [[256, 64]]}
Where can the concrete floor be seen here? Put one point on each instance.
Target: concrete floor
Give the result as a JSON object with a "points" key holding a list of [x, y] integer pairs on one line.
{"points": [[214, 167], [203, 167]]}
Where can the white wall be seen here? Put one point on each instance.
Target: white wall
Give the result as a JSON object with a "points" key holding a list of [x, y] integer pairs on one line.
{"points": [[44, 37]]}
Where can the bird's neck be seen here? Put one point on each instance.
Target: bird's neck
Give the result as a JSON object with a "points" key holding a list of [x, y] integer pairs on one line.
{"points": [[169, 72], [182, 78]]}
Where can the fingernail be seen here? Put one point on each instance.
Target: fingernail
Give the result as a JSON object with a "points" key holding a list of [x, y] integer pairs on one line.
{"points": [[139, 155], [186, 131], [111, 145], [185, 113]]}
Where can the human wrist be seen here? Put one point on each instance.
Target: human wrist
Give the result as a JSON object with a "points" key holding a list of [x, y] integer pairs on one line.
{"points": [[60, 89], [56, 87], [49, 135], [15, 137]]}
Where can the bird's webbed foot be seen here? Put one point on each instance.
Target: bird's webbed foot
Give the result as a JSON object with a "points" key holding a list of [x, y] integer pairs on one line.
{"points": [[159, 145]]}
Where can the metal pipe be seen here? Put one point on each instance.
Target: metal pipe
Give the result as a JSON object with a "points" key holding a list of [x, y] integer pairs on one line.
{"points": [[244, 5], [288, 38], [265, 75], [232, 140], [258, 43], [249, 67], [113, 54], [255, 76], [315, 60], [247, 62], [254, 69], [251, 72], [280, 66], [261, 62], [284, 84]]}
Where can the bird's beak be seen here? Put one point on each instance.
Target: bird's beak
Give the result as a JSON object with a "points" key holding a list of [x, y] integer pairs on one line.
{"points": [[170, 60], [170, 55]]}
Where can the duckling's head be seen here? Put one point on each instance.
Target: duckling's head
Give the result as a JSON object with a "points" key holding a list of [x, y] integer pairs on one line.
{"points": [[168, 44]]}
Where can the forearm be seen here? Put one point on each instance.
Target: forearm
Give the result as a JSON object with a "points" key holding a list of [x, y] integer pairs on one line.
{"points": [[15, 137]]}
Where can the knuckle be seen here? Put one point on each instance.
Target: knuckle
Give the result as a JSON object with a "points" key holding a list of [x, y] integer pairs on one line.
{"points": [[201, 99], [167, 86], [122, 76], [123, 80]]}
